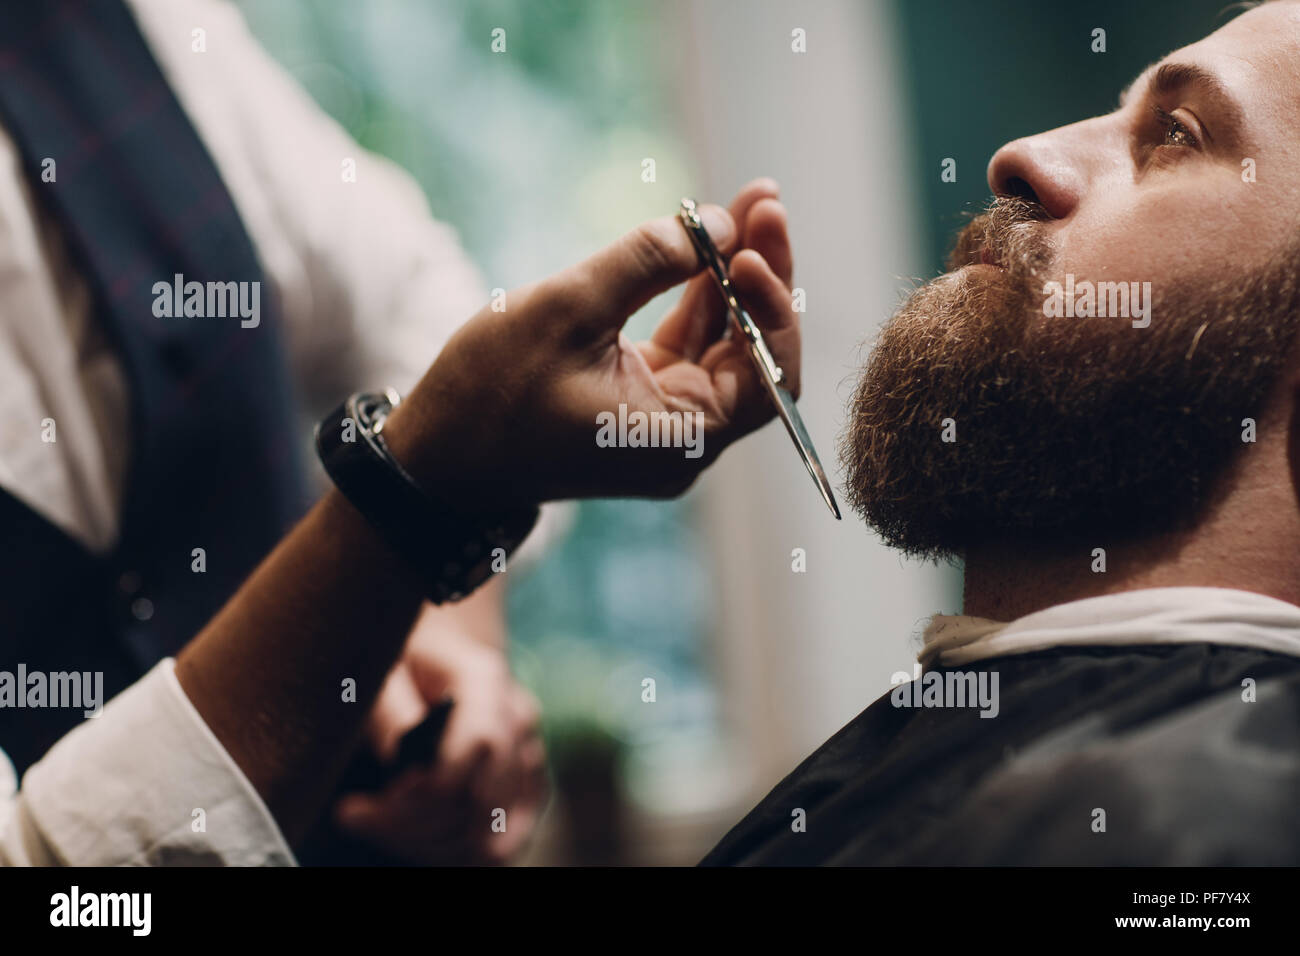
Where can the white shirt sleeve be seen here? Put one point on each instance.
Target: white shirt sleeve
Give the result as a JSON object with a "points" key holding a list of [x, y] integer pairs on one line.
{"points": [[144, 784], [369, 284]]}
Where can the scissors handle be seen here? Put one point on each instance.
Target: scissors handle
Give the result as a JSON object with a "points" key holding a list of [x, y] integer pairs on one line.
{"points": [[772, 374], [740, 318]]}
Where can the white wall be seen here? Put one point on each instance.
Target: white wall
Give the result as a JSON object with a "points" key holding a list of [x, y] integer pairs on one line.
{"points": [[801, 654]]}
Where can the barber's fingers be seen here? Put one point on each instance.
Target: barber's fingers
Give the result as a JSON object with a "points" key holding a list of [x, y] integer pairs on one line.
{"points": [[409, 820], [399, 707], [700, 317], [365, 815], [765, 232], [768, 302], [600, 293], [765, 295]]}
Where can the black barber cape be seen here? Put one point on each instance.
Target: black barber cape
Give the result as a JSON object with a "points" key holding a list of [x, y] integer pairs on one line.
{"points": [[1122, 756]]}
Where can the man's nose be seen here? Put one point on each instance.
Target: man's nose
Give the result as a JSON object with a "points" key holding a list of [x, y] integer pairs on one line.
{"points": [[1053, 169]]}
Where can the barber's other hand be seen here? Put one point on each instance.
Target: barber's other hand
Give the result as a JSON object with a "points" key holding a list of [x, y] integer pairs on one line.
{"points": [[507, 415], [490, 758]]}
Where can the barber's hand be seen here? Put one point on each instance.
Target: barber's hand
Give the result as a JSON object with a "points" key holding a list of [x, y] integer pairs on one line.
{"points": [[491, 755], [507, 415]]}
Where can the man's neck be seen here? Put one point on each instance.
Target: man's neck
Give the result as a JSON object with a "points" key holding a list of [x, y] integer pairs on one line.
{"points": [[1250, 540]]}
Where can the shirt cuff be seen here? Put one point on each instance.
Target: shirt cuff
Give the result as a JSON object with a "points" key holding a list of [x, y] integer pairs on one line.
{"points": [[147, 783]]}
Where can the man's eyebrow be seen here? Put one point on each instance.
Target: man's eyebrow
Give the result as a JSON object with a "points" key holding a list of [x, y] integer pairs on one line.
{"points": [[1169, 78]]}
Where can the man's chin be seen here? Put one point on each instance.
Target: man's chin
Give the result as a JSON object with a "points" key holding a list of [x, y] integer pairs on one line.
{"points": [[979, 414]]}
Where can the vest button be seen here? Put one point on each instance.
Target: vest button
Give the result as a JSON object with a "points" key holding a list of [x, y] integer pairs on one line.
{"points": [[142, 609]]}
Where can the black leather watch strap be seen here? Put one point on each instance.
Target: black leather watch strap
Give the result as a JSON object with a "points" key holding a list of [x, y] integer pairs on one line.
{"points": [[453, 552]]}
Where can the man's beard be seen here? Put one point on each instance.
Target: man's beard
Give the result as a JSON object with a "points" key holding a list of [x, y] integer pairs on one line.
{"points": [[1067, 430]]}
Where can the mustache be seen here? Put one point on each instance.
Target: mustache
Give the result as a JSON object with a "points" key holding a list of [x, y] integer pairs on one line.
{"points": [[1007, 234]]}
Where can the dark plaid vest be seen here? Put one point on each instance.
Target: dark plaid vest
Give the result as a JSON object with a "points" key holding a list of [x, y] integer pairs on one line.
{"points": [[213, 461]]}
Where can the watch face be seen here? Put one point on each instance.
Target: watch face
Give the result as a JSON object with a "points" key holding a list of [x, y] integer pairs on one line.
{"points": [[451, 553]]}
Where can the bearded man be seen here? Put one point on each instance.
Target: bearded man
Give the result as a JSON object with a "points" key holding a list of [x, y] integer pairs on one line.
{"points": [[1120, 477]]}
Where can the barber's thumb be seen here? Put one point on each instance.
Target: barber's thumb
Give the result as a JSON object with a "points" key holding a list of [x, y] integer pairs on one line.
{"points": [[650, 260]]}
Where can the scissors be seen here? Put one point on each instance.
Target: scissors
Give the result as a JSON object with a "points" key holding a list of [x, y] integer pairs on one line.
{"points": [[769, 372]]}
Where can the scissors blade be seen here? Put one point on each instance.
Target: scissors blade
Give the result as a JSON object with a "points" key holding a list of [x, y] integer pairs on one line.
{"points": [[768, 371], [799, 435]]}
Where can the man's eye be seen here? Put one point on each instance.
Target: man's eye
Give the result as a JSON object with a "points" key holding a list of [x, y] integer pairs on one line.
{"points": [[1175, 133]]}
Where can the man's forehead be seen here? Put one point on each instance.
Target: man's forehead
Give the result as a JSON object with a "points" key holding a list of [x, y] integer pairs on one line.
{"points": [[1274, 25], [1262, 43]]}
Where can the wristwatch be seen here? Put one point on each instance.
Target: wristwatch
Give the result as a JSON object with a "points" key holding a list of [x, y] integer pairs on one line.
{"points": [[453, 552]]}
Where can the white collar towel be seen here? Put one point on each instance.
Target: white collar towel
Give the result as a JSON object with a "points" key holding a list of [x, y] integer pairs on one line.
{"points": [[1177, 615]]}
